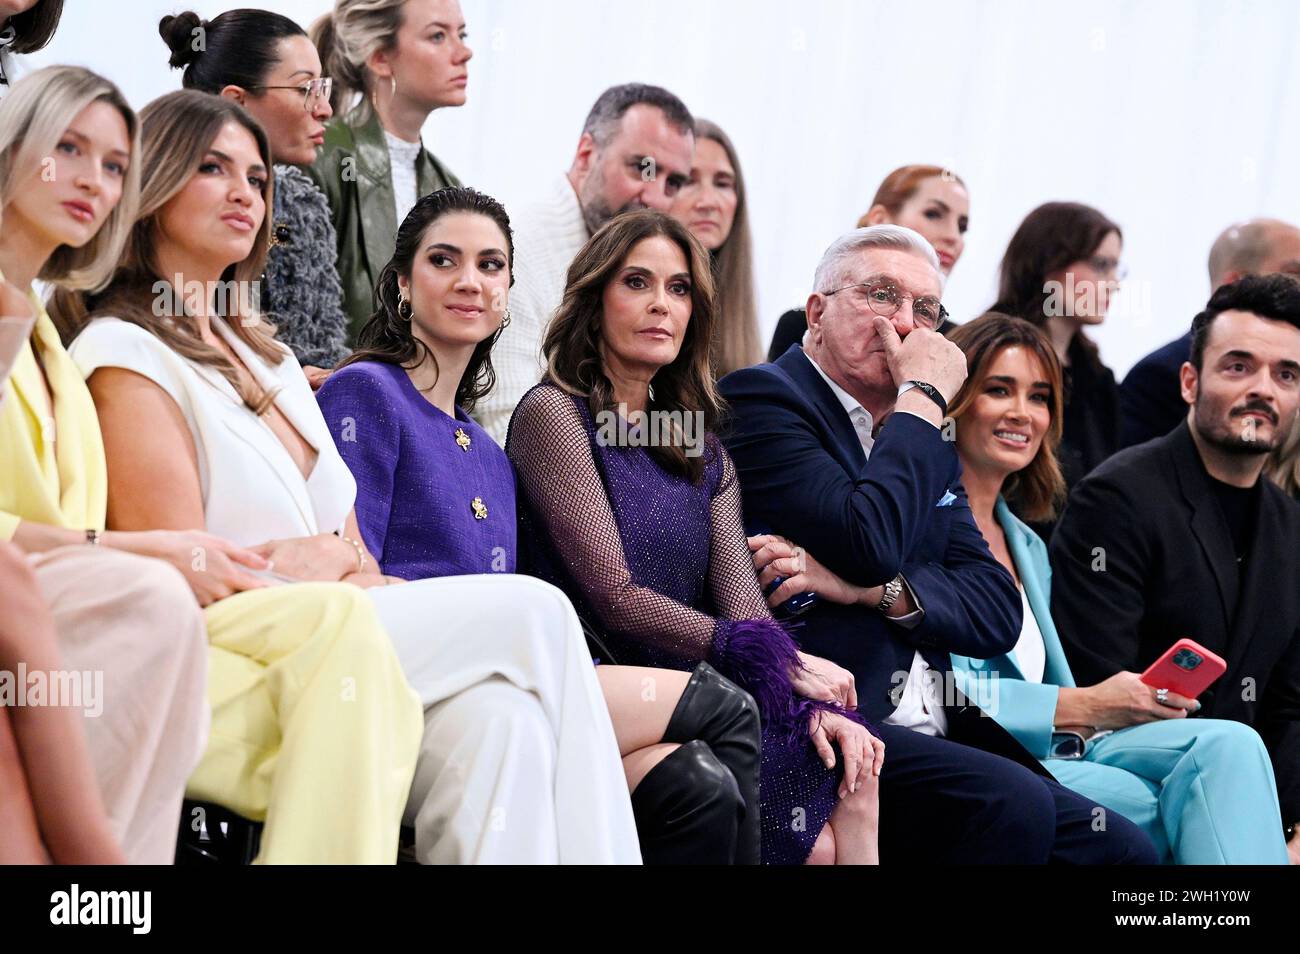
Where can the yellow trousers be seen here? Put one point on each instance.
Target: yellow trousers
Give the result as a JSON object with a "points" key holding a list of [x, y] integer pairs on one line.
{"points": [[314, 728]]}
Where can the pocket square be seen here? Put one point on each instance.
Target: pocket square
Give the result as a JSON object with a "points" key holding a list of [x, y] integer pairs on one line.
{"points": [[947, 499]]}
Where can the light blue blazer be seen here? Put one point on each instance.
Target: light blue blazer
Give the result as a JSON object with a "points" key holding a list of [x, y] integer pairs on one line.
{"points": [[1203, 789], [1025, 709]]}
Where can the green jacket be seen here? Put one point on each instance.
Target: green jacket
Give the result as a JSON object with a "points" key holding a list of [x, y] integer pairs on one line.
{"points": [[352, 170]]}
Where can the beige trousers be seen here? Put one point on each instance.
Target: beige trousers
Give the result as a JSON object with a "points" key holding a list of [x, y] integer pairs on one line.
{"points": [[135, 621]]}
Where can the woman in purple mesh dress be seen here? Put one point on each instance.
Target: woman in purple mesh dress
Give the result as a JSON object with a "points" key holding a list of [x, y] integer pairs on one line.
{"points": [[631, 507]]}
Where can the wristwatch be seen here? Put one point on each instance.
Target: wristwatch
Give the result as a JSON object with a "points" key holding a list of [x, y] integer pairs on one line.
{"points": [[893, 590], [929, 390]]}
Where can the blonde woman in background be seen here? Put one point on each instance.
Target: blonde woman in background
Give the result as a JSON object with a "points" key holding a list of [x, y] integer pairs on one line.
{"points": [[282, 731], [393, 62], [76, 600]]}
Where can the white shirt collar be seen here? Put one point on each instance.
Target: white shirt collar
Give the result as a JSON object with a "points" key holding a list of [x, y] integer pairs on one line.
{"points": [[850, 403], [859, 416]]}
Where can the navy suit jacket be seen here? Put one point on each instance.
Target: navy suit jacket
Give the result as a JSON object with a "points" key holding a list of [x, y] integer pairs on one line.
{"points": [[803, 474], [1150, 399]]}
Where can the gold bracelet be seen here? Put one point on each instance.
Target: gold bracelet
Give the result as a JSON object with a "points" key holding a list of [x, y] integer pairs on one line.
{"points": [[361, 554]]}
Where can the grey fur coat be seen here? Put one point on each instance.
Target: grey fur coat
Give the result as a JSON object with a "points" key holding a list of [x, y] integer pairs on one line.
{"points": [[301, 294]]}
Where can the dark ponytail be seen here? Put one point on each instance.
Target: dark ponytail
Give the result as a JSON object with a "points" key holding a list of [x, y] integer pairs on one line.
{"points": [[238, 48]]}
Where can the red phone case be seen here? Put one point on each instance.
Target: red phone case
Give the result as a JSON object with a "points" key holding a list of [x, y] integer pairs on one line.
{"points": [[1165, 673]]}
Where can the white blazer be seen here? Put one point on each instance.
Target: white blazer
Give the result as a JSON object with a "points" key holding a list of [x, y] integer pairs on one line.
{"points": [[247, 498]]}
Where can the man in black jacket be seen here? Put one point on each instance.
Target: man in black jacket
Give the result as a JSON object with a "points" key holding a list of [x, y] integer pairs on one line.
{"points": [[1150, 404], [1183, 537]]}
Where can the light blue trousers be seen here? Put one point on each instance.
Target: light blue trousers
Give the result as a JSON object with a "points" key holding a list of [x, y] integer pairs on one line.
{"points": [[1203, 789]]}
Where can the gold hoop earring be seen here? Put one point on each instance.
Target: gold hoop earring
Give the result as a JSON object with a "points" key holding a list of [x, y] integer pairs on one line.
{"points": [[505, 322], [404, 309], [393, 91]]}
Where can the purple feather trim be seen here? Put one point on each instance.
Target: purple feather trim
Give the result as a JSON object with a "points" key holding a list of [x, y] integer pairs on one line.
{"points": [[759, 655]]}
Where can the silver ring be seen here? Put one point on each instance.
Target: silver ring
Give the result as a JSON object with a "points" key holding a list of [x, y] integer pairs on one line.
{"points": [[1162, 696]]}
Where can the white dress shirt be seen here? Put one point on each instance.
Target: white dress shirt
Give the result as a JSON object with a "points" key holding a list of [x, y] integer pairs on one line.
{"points": [[920, 705], [548, 236]]}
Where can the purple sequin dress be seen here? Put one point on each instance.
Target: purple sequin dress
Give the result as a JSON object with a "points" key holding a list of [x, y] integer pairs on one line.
{"points": [[661, 567]]}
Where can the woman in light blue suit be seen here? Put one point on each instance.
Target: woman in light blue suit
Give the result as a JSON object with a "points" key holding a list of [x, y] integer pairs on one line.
{"points": [[1202, 789]]}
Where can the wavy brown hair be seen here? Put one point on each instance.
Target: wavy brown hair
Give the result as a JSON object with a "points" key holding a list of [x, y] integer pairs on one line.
{"points": [[387, 335], [572, 345], [177, 130], [1039, 488]]}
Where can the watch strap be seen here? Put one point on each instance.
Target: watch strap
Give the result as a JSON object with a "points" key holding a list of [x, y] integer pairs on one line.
{"points": [[929, 390]]}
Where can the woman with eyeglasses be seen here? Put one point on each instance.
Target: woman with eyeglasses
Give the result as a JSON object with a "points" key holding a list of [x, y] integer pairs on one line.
{"points": [[393, 63], [266, 63], [1059, 272], [929, 200]]}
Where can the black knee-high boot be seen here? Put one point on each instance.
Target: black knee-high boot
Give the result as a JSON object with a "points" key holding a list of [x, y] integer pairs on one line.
{"points": [[688, 809], [717, 711]]}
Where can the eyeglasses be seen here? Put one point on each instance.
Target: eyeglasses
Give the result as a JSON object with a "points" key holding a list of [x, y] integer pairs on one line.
{"points": [[1104, 265], [884, 298], [313, 92]]}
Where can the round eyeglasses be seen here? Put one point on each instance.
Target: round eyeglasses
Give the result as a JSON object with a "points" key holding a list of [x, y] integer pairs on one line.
{"points": [[884, 298], [312, 92]]}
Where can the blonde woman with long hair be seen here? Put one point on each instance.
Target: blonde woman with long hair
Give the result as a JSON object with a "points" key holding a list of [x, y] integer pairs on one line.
{"points": [[517, 759], [281, 731], [78, 600]]}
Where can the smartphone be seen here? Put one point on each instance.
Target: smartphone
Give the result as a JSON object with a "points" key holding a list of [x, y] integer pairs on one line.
{"points": [[796, 605], [1186, 668]]}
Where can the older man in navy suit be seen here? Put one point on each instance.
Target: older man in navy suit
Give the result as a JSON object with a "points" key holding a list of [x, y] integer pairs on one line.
{"points": [[840, 445]]}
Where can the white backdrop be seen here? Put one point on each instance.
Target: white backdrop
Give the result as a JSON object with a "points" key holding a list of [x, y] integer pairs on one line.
{"points": [[1174, 117]]}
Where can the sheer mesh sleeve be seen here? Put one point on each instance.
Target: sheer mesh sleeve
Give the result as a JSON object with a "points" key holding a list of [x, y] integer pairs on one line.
{"points": [[562, 487], [733, 584], [563, 490]]}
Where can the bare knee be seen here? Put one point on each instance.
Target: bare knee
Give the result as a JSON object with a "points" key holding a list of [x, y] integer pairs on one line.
{"points": [[640, 701], [823, 849], [637, 764], [862, 805]]}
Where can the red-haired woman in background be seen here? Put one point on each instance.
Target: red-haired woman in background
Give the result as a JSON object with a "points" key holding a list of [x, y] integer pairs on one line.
{"points": [[930, 200]]}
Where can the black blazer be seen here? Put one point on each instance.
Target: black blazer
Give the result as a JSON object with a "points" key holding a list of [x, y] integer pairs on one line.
{"points": [[803, 475], [1170, 571], [1150, 399]]}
